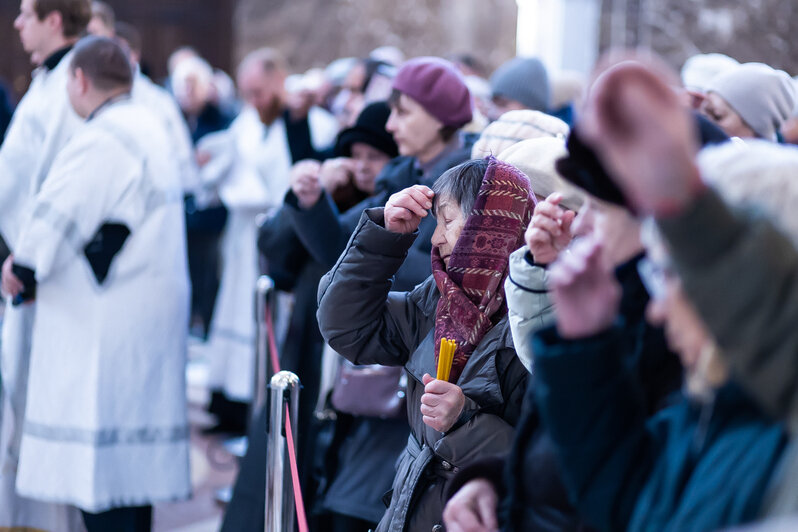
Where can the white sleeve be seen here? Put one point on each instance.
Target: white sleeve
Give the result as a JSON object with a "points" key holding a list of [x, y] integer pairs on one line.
{"points": [[88, 178], [528, 303], [323, 128]]}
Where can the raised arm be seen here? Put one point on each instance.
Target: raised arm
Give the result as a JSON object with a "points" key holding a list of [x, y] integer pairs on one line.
{"points": [[358, 314], [646, 140]]}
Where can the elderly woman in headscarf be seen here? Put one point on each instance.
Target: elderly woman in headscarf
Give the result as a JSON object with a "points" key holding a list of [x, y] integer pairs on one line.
{"points": [[482, 208]]}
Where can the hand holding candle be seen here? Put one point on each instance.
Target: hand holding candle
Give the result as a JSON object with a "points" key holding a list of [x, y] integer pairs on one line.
{"points": [[441, 403], [445, 358]]}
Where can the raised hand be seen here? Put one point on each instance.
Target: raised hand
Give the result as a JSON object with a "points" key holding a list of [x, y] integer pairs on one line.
{"points": [[585, 292], [473, 508], [336, 173], [549, 231], [644, 135], [405, 209], [305, 183], [441, 404]]}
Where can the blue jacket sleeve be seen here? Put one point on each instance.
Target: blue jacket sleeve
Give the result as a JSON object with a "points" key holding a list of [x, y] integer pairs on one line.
{"points": [[594, 409]]}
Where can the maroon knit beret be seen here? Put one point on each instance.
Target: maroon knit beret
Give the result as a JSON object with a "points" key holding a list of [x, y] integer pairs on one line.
{"points": [[437, 85]]}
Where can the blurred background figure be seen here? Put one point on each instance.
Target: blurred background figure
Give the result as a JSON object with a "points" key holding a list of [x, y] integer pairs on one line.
{"points": [[367, 80], [102, 20], [390, 55], [248, 166], [567, 91], [790, 128], [520, 83], [698, 72], [752, 100], [192, 85]]}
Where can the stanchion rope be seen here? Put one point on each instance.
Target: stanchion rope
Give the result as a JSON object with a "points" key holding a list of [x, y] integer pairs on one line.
{"points": [[299, 503]]}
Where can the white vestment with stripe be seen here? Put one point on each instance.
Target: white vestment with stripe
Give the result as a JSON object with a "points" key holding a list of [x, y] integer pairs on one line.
{"points": [[159, 101], [106, 421], [251, 165], [43, 122]]}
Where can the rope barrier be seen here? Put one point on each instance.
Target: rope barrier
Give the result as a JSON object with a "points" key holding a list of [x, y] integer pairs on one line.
{"points": [[299, 502]]}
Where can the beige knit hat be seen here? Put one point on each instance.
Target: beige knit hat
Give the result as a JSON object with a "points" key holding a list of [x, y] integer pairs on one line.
{"points": [[536, 158], [699, 70], [515, 126]]}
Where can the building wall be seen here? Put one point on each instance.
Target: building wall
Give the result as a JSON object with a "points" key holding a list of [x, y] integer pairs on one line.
{"points": [[756, 30], [164, 24], [314, 32], [14, 64]]}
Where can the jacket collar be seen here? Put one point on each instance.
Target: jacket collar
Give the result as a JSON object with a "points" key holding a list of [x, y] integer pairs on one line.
{"points": [[55, 58]]}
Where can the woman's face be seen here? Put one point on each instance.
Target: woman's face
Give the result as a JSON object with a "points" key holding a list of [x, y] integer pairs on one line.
{"points": [[617, 229], [416, 132], [450, 224], [685, 331], [369, 162], [716, 109]]}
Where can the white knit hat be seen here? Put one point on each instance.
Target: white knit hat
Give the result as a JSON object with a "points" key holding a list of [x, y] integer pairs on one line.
{"points": [[515, 126], [699, 71], [762, 96], [536, 158]]}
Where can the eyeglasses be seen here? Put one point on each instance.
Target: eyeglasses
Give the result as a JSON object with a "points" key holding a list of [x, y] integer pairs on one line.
{"points": [[654, 277]]}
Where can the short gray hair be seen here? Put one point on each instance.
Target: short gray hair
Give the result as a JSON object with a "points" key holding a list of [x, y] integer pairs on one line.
{"points": [[461, 184], [269, 59]]}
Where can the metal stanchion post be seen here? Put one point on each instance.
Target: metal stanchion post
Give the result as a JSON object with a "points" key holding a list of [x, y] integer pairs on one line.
{"points": [[263, 370], [279, 490]]}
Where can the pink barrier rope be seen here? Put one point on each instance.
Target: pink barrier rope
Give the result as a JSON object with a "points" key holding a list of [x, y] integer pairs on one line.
{"points": [[299, 503]]}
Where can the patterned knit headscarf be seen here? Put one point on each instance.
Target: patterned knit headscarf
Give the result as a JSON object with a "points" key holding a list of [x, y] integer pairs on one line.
{"points": [[472, 287]]}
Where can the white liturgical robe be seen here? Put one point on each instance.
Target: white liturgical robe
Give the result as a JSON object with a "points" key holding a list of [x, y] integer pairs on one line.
{"points": [[251, 164], [43, 122], [161, 103], [106, 421]]}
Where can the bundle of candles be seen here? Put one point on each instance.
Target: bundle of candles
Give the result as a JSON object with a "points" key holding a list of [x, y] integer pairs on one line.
{"points": [[445, 358]]}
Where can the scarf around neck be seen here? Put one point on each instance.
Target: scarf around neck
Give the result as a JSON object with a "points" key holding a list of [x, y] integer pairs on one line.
{"points": [[472, 288]]}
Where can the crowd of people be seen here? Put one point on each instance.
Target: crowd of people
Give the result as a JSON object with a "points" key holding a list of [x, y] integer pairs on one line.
{"points": [[515, 301]]}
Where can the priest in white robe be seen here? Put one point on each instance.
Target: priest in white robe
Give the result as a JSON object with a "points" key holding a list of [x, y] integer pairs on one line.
{"points": [[102, 252], [249, 170], [42, 124], [150, 95]]}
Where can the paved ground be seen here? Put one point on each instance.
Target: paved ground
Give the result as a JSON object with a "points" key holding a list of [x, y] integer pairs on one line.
{"points": [[212, 467]]}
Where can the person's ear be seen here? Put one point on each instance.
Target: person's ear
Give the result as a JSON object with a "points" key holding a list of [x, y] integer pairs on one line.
{"points": [[82, 81], [55, 21]]}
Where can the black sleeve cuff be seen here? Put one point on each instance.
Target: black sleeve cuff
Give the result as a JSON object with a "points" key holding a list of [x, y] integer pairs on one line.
{"points": [[28, 279]]}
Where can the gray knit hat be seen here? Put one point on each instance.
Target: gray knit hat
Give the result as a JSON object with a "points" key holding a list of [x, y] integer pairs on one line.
{"points": [[762, 96], [523, 79]]}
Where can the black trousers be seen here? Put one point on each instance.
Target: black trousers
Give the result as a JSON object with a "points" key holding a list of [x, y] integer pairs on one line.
{"points": [[129, 519]]}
